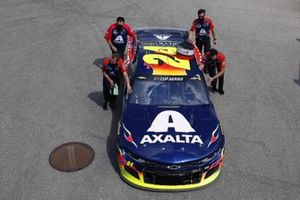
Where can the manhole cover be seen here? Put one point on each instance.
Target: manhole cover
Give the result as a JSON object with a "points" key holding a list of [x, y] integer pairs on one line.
{"points": [[71, 157]]}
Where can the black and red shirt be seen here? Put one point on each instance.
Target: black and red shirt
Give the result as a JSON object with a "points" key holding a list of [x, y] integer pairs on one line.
{"points": [[219, 62], [113, 69], [202, 28], [118, 36]]}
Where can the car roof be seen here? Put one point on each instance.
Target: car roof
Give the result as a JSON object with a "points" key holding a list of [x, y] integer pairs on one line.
{"points": [[157, 54]]}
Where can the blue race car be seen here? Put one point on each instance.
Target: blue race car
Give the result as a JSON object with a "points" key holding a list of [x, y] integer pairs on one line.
{"points": [[169, 136]]}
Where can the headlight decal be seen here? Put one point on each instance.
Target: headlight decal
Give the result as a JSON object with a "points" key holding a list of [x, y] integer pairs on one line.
{"points": [[214, 136], [128, 136], [121, 156]]}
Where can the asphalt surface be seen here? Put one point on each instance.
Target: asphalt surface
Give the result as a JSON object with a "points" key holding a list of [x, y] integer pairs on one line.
{"points": [[50, 94]]}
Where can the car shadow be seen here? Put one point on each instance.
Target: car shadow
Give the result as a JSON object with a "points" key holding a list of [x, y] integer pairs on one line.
{"points": [[111, 142], [97, 97], [98, 62]]}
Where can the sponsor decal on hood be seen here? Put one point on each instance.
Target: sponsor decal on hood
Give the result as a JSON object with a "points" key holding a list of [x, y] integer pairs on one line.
{"points": [[171, 119]]}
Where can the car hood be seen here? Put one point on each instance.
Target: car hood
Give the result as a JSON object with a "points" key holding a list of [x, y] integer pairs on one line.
{"points": [[170, 134]]}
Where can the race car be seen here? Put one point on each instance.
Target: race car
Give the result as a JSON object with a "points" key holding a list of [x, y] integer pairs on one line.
{"points": [[169, 135]]}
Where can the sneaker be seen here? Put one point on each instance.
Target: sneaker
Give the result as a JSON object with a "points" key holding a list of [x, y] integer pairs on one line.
{"points": [[104, 106], [221, 92]]}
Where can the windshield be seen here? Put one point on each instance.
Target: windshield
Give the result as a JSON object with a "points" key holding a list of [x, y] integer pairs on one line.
{"points": [[187, 92]]}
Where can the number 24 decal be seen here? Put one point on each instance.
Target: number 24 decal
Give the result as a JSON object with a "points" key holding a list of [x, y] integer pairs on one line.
{"points": [[167, 56]]}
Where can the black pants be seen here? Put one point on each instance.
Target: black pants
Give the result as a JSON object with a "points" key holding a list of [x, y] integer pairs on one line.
{"points": [[203, 42], [107, 88], [121, 50], [212, 71]]}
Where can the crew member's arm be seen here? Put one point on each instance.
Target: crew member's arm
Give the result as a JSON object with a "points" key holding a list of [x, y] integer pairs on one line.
{"points": [[106, 76], [124, 71], [108, 37], [131, 33], [217, 75], [212, 28], [191, 36], [111, 82], [214, 36], [198, 57], [223, 65], [129, 89], [112, 46], [201, 66]]}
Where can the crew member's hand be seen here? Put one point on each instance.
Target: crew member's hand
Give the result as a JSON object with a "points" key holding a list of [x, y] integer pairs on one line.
{"points": [[114, 48], [191, 41], [215, 41], [112, 84], [129, 90], [201, 66], [210, 79]]}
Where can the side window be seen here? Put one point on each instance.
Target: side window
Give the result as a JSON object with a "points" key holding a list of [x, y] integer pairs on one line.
{"points": [[132, 67]]}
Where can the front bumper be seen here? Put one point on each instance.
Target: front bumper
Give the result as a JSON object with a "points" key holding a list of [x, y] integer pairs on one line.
{"points": [[140, 178]]}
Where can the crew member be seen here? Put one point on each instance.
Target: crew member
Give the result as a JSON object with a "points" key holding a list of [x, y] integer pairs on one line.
{"points": [[215, 65], [202, 26], [112, 69], [117, 36]]}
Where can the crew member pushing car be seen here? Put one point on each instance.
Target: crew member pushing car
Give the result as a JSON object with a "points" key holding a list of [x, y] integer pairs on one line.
{"points": [[215, 65], [202, 26], [117, 36], [113, 68]]}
